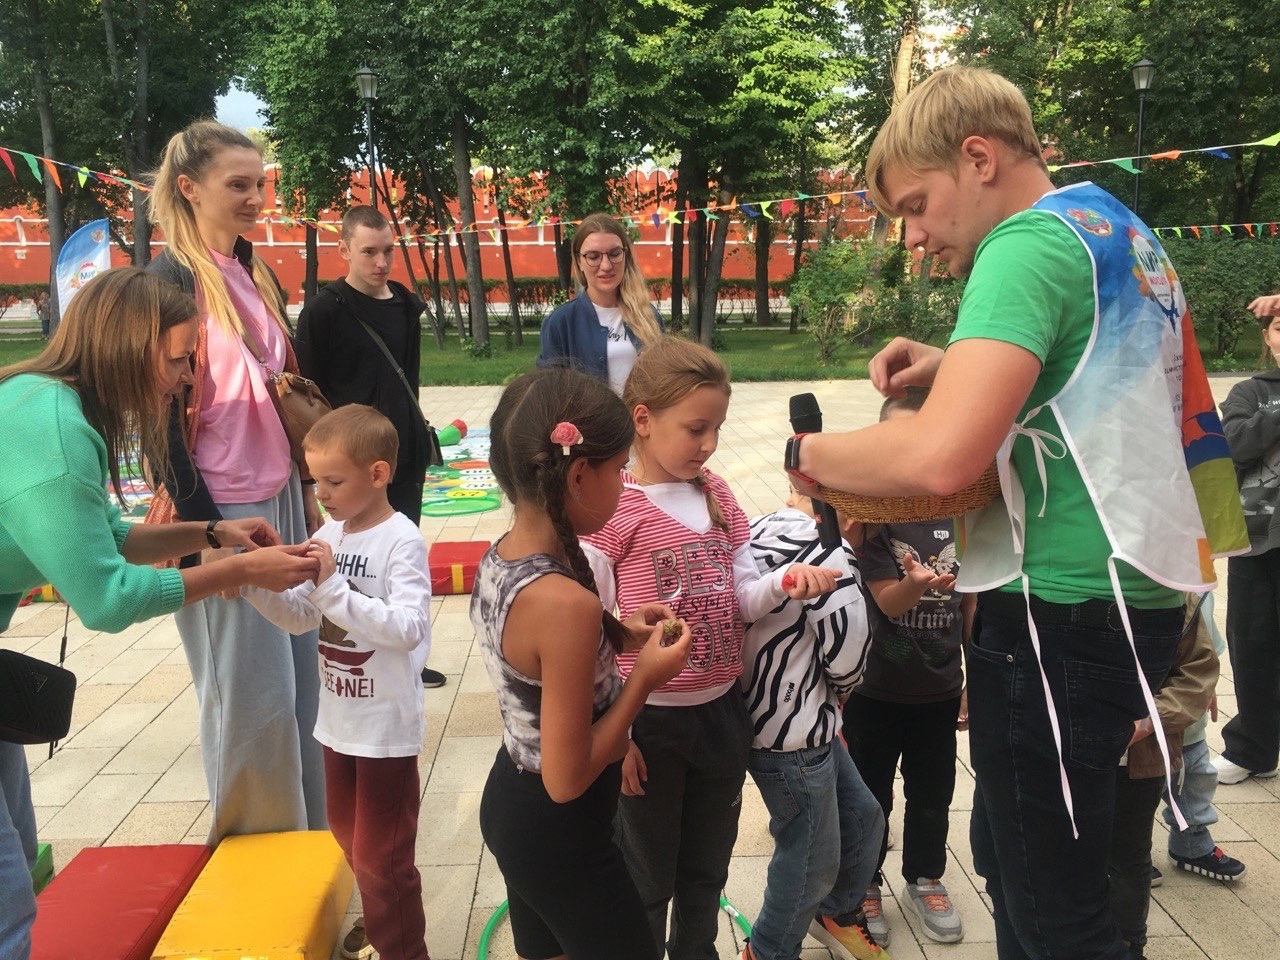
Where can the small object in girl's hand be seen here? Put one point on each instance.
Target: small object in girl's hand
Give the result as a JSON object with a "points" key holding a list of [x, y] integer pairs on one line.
{"points": [[788, 581], [670, 631]]}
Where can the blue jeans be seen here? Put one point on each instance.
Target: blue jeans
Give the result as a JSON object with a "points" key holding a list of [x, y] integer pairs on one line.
{"points": [[1049, 891], [17, 854], [1195, 800], [827, 827]]}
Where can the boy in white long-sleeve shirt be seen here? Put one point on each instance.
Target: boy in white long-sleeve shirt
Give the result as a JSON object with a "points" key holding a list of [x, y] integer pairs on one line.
{"points": [[371, 602], [800, 661]]}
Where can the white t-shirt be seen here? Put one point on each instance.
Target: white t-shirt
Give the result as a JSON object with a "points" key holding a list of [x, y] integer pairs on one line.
{"points": [[374, 618], [620, 352]]}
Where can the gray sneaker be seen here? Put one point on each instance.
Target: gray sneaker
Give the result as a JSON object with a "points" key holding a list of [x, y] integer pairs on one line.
{"points": [[877, 922], [928, 900]]}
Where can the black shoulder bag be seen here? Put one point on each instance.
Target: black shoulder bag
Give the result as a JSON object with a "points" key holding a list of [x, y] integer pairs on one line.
{"points": [[35, 697], [435, 458]]}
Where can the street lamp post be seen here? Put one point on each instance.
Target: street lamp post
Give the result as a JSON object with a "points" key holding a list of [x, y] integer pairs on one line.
{"points": [[367, 81], [1144, 74]]}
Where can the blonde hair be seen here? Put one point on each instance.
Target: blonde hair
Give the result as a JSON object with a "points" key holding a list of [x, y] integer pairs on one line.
{"points": [[925, 131], [103, 350], [191, 151], [633, 292], [362, 434], [664, 375]]}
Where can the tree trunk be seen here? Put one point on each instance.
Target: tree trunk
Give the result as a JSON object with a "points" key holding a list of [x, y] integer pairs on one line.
{"points": [[697, 247], [764, 243], [564, 259], [442, 221], [715, 263], [513, 296], [902, 84], [311, 282], [433, 278], [137, 148], [398, 228], [677, 255], [49, 146], [802, 234], [467, 206]]}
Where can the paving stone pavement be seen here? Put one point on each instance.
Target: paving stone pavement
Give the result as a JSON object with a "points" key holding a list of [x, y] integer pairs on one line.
{"points": [[130, 773]]}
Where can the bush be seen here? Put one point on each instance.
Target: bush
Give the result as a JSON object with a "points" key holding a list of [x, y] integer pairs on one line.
{"points": [[1220, 276], [828, 289]]}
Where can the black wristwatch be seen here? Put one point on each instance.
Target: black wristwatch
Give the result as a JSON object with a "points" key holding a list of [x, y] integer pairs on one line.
{"points": [[211, 536], [791, 459]]}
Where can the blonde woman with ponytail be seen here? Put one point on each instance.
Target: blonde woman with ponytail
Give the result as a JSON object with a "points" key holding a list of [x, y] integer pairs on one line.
{"points": [[229, 457], [602, 330]]}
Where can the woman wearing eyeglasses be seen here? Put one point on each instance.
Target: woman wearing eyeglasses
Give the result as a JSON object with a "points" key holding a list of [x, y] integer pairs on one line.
{"points": [[604, 331]]}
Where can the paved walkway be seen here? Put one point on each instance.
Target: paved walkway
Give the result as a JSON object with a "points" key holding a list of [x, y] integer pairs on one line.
{"points": [[129, 773]]}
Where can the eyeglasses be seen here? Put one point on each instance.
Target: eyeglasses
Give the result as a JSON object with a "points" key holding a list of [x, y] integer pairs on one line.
{"points": [[616, 255]]}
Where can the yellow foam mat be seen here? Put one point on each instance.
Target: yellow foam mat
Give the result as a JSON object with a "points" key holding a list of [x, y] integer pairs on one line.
{"points": [[270, 896]]}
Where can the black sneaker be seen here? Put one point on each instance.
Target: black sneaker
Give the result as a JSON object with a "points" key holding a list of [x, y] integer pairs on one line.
{"points": [[1216, 865], [433, 678], [356, 945], [1157, 877]]}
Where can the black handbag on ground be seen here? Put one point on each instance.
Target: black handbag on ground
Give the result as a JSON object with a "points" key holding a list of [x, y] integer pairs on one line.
{"points": [[35, 699]]}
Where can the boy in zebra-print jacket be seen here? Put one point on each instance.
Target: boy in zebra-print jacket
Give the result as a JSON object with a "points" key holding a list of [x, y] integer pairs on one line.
{"points": [[800, 660]]}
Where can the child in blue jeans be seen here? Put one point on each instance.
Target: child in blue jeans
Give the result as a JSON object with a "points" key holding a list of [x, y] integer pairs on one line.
{"points": [[1193, 849], [800, 661]]}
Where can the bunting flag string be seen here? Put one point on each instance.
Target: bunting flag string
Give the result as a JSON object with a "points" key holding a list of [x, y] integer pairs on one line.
{"points": [[683, 215], [83, 174], [1256, 231], [1127, 164], [713, 211]]}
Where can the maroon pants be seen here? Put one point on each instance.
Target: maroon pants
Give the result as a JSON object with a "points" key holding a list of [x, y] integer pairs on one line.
{"points": [[373, 814]]}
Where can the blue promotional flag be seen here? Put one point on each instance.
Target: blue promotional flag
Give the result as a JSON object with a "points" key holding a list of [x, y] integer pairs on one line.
{"points": [[86, 254]]}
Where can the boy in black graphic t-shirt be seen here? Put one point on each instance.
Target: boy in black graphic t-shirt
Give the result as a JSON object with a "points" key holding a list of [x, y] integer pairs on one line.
{"points": [[909, 703]]}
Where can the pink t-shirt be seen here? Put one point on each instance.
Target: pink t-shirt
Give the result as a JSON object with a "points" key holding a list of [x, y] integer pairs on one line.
{"points": [[241, 448]]}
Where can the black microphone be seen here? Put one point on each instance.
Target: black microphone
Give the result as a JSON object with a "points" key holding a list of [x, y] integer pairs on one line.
{"points": [[806, 417]]}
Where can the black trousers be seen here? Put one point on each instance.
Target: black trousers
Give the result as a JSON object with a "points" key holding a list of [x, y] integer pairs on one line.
{"points": [[1129, 865], [568, 889], [678, 837], [405, 496], [923, 735], [1252, 737]]}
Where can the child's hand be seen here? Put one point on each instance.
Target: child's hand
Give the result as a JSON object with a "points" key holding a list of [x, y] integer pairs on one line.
{"points": [[925, 578], [962, 719], [662, 657], [321, 552], [803, 582], [634, 772], [642, 621]]}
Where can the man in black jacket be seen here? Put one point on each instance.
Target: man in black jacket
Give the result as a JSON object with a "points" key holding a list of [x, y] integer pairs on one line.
{"points": [[359, 339]]}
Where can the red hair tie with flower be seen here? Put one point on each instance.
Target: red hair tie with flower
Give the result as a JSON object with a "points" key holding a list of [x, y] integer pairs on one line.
{"points": [[565, 435]]}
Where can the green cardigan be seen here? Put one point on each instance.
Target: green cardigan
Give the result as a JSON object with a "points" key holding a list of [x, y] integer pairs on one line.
{"points": [[58, 524]]}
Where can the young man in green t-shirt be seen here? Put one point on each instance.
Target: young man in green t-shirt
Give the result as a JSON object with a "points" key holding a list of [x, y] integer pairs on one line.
{"points": [[1054, 691]]}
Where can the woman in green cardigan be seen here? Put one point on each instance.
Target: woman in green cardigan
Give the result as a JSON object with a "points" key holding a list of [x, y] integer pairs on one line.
{"points": [[97, 394]]}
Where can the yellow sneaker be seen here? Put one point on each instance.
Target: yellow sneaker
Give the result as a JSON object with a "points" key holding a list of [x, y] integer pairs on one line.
{"points": [[848, 941]]}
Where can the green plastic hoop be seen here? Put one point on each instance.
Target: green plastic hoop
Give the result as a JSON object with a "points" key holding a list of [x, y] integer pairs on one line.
{"points": [[482, 948]]}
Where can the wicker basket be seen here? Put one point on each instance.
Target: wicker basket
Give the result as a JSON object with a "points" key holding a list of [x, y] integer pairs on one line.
{"points": [[910, 509]]}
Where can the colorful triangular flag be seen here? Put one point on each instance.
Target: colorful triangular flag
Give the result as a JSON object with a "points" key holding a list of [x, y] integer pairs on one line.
{"points": [[8, 162]]}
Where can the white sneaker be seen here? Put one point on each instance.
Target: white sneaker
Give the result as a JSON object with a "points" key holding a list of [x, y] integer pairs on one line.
{"points": [[1229, 772], [928, 900], [877, 922]]}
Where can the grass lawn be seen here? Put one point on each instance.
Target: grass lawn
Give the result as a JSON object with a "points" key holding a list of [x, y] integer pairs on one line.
{"points": [[751, 354]]}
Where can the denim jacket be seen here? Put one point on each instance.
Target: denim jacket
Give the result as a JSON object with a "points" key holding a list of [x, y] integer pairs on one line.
{"points": [[573, 337]]}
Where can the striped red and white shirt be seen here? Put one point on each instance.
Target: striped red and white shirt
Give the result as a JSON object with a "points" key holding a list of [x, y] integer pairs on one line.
{"points": [[661, 547]]}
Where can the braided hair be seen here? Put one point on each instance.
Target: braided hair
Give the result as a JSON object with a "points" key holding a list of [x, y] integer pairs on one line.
{"points": [[532, 469]]}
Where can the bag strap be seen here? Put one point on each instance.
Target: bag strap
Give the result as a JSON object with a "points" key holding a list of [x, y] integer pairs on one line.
{"points": [[382, 345]]}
